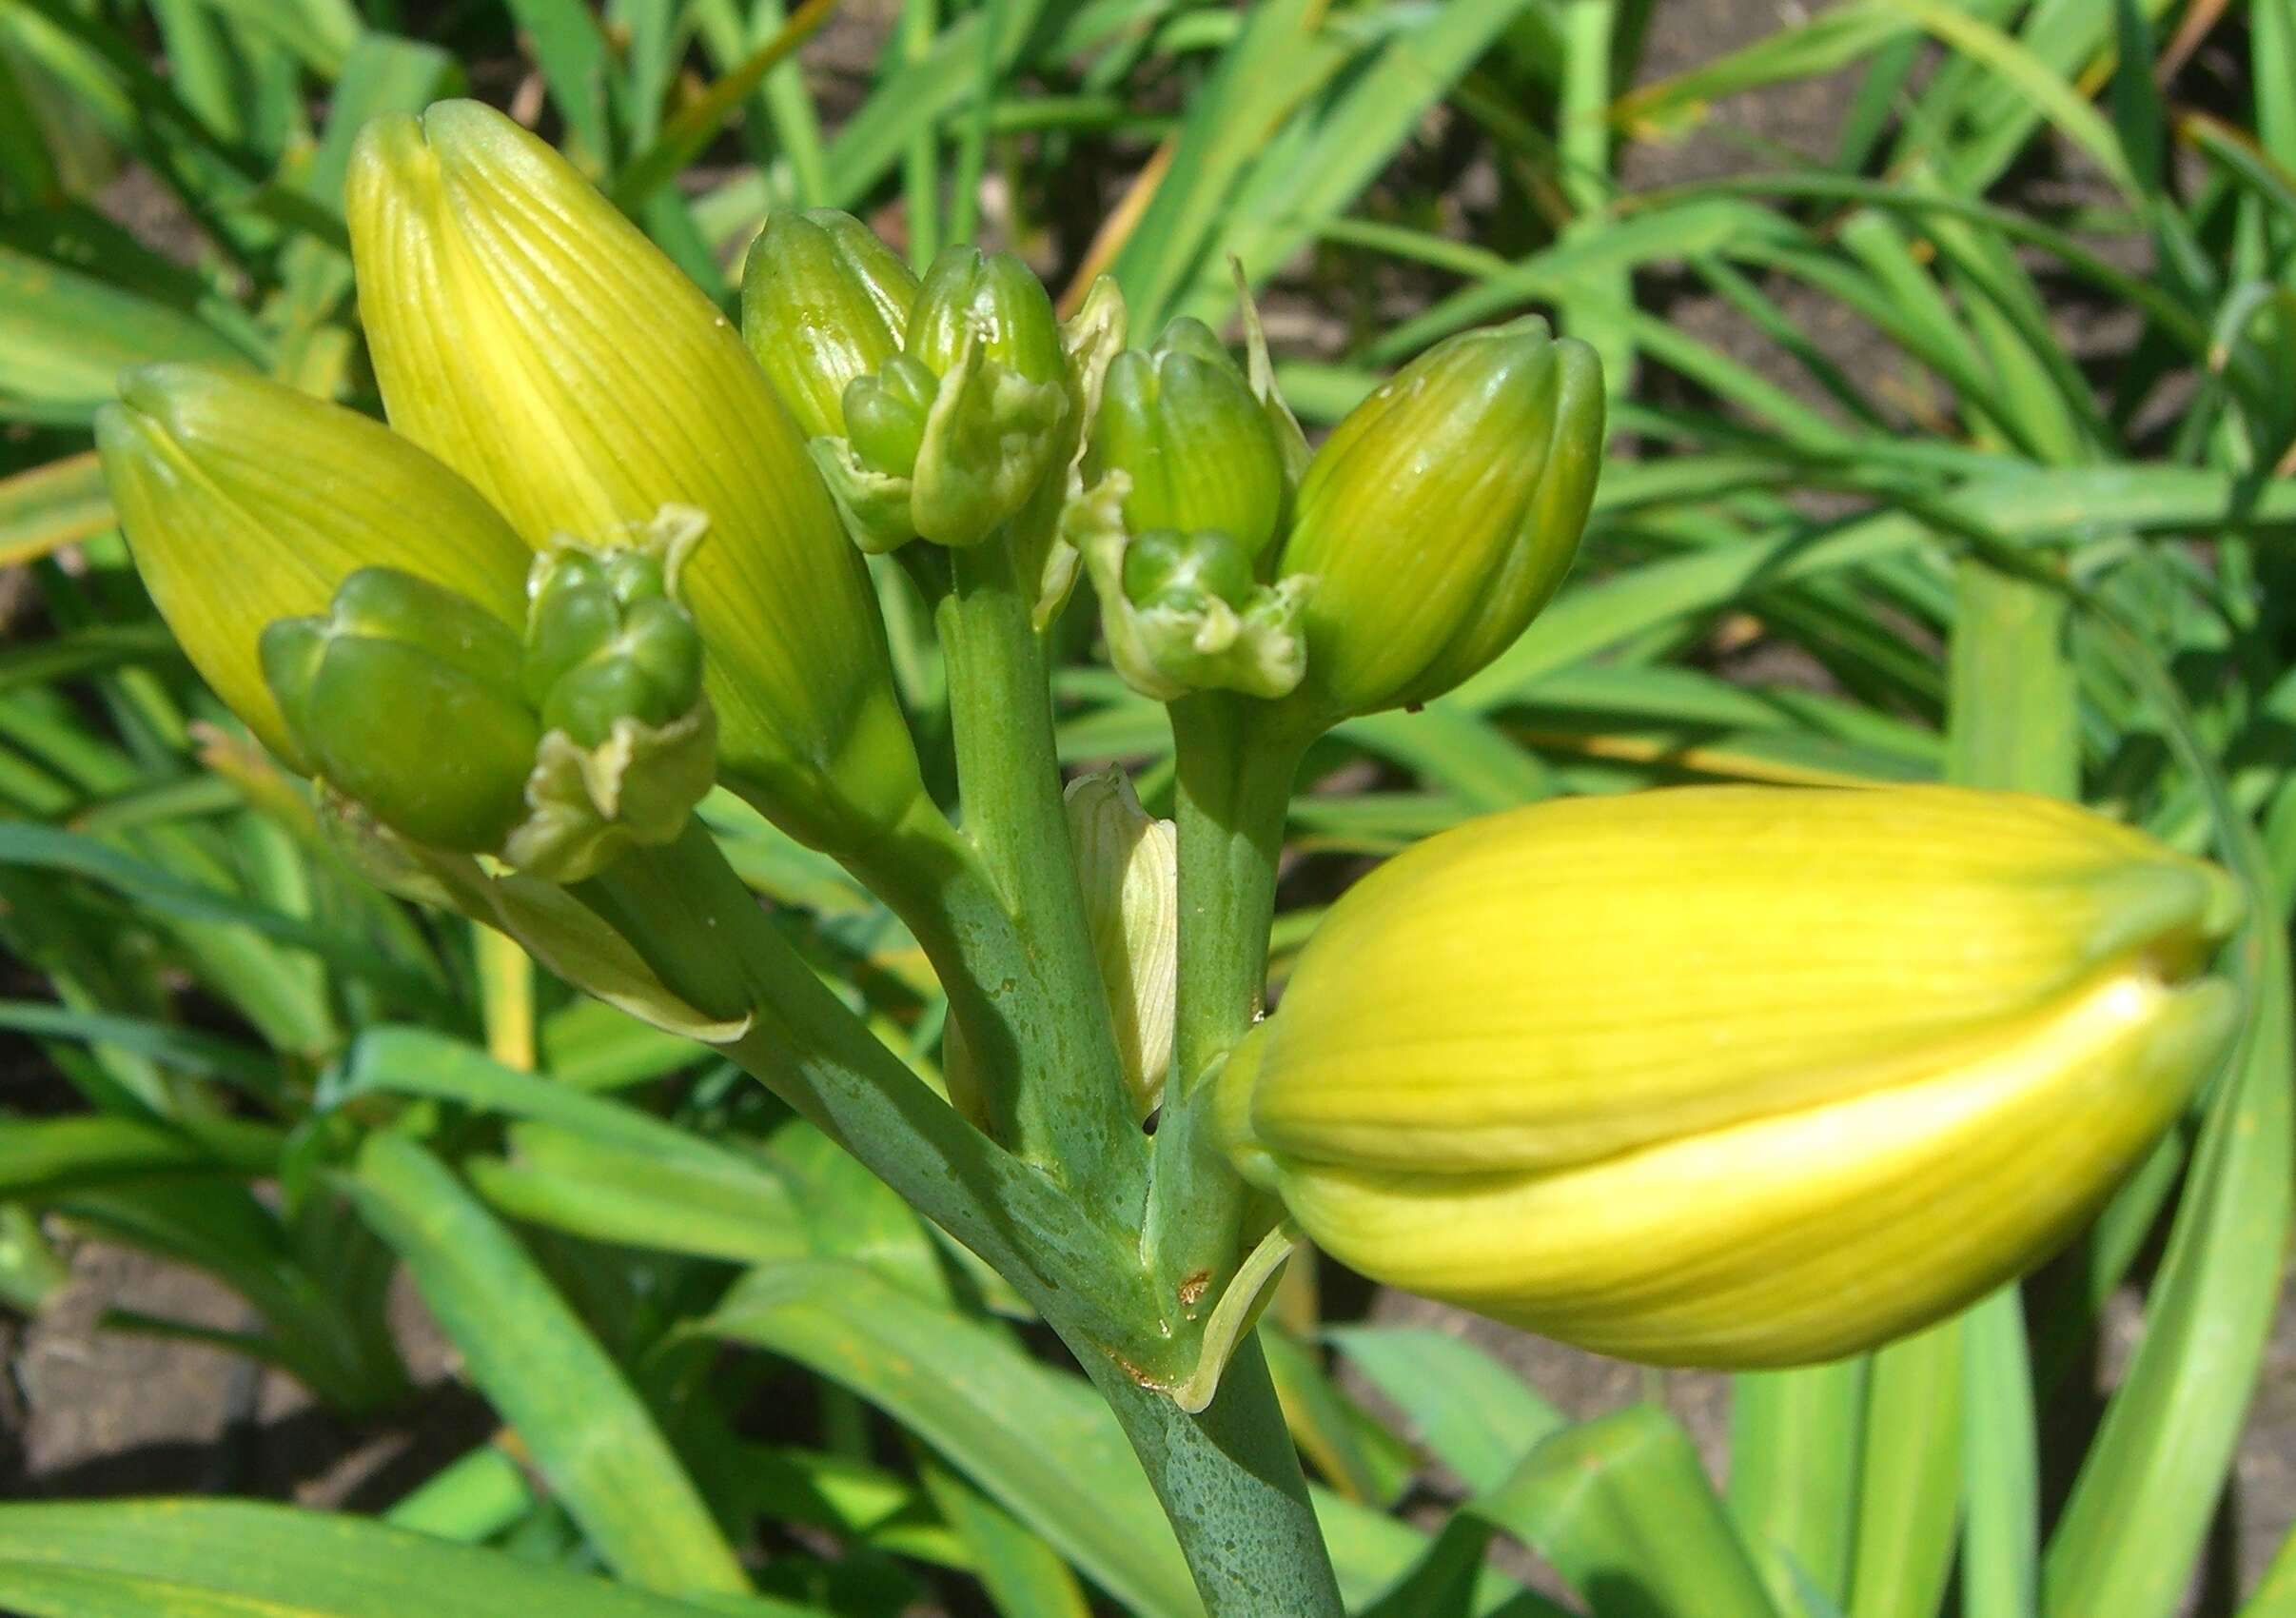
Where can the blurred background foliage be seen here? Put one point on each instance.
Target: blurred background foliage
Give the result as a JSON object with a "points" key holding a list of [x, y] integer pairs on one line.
{"points": [[1952, 436]]}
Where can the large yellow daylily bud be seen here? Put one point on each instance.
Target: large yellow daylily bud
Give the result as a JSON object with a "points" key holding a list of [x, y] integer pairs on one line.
{"points": [[245, 502], [1736, 1076], [531, 337]]}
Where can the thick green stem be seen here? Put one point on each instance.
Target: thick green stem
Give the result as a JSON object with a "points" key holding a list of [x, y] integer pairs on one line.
{"points": [[1234, 784], [1229, 1480], [933, 879], [686, 912], [1047, 1059]]}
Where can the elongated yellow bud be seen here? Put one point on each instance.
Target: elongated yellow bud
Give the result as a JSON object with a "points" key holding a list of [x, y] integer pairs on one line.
{"points": [[1442, 514], [530, 336], [245, 502], [1735, 1077]]}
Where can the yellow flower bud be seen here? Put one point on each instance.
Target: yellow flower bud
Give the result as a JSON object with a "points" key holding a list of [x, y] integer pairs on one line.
{"points": [[1442, 513], [531, 337], [1735, 1077], [245, 502]]}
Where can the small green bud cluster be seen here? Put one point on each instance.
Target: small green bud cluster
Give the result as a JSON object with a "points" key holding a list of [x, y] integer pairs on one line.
{"points": [[1394, 564], [555, 751], [606, 644], [1187, 488], [938, 409]]}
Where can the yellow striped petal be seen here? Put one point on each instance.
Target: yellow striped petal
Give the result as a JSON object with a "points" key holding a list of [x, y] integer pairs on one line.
{"points": [[1812, 1234], [1579, 978], [245, 502], [1733, 1077]]}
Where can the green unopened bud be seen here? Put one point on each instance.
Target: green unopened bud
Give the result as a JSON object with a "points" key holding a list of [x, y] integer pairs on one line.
{"points": [[557, 753], [1442, 513], [245, 502], [1182, 424], [527, 333], [604, 643], [992, 300], [885, 415], [405, 697], [1166, 567], [614, 666], [1181, 612], [823, 302], [949, 440]]}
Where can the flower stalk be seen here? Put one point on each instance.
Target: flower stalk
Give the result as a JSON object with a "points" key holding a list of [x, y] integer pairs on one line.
{"points": [[1233, 787], [1056, 1093]]}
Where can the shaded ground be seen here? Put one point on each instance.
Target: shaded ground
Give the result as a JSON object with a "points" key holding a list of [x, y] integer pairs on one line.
{"points": [[112, 1414]]}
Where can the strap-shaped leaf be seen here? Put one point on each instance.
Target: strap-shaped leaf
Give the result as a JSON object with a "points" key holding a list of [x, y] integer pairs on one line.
{"points": [[235, 1559], [593, 1440]]}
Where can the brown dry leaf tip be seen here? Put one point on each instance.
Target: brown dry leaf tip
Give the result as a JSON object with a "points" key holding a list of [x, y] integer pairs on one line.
{"points": [[1144, 1378]]}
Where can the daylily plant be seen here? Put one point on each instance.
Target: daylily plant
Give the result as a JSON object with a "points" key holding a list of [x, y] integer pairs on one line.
{"points": [[1730, 1077]]}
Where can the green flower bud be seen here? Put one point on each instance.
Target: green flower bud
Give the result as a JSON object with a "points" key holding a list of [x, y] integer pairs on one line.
{"points": [[885, 415], [992, 299], [614, 666], [1183, 426], [950, 438], [1442, 514], [245, 502], [405, 696], [1182, 612], [527, 333], [1168, 567], [605, 642], [431, 717], [823, 301]]}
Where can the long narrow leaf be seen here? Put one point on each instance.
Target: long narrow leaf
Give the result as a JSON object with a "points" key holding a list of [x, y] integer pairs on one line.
{"points": [[233, 1559], [593, 1440]]}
